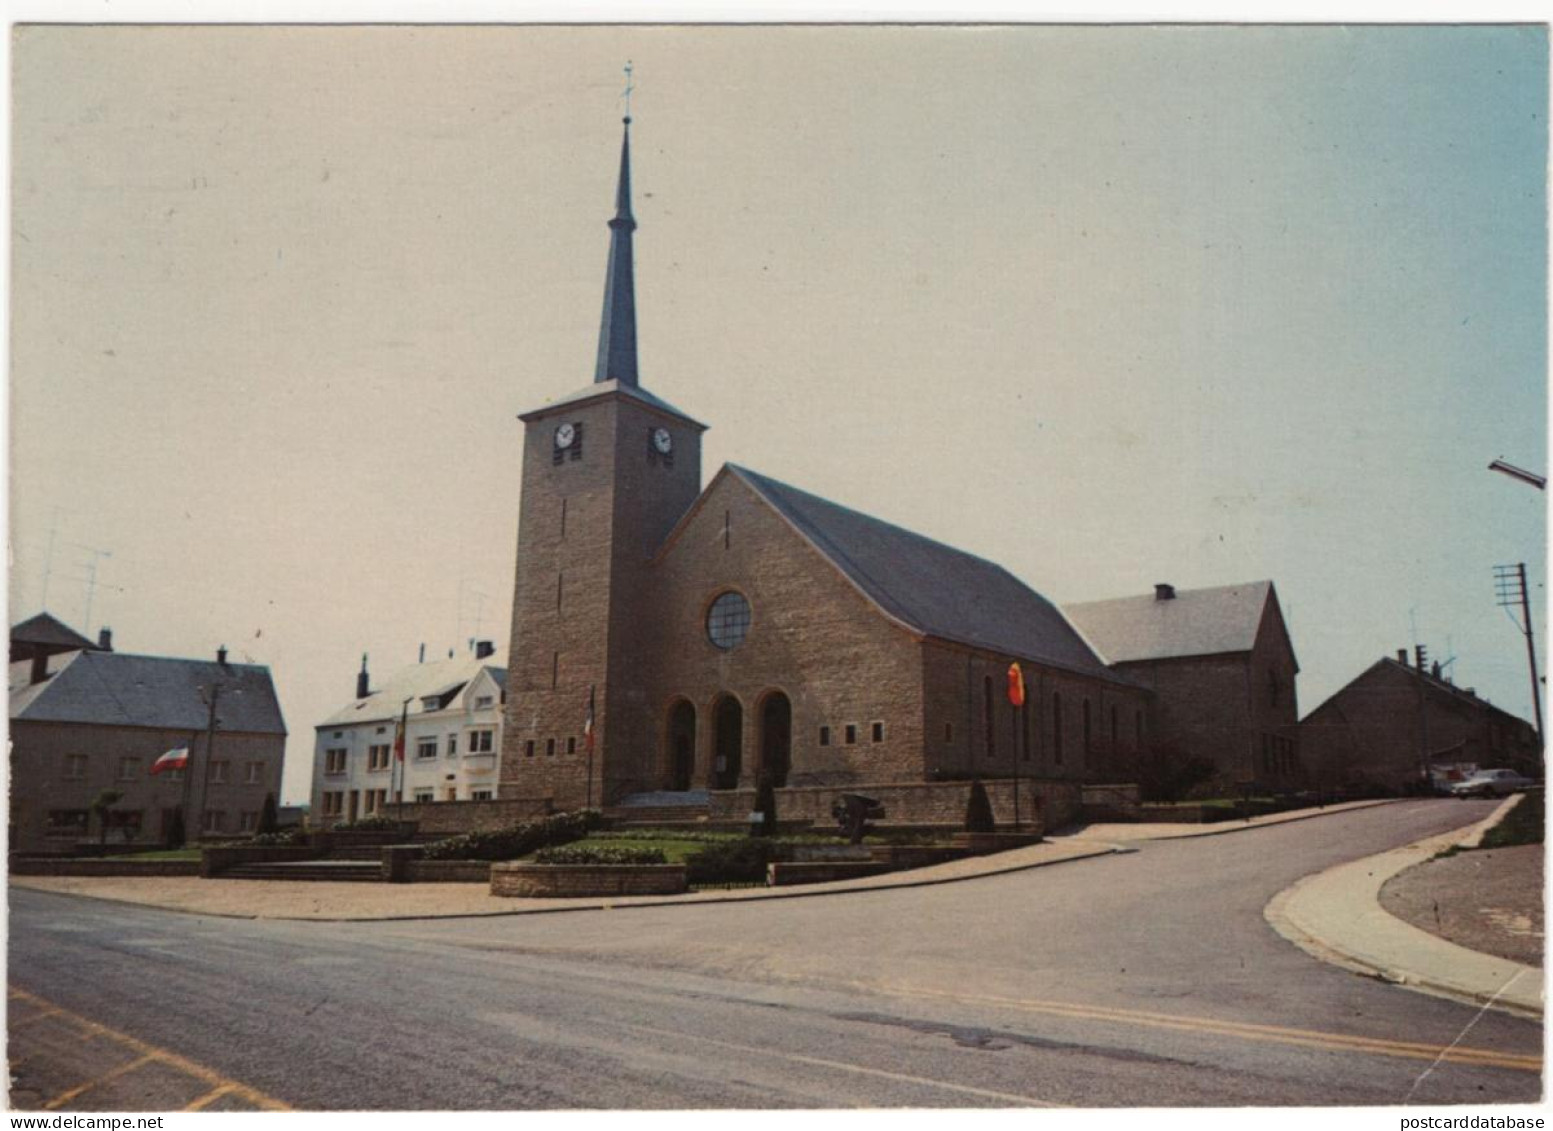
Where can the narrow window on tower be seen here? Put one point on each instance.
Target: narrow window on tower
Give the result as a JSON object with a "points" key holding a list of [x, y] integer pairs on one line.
{"points": [[825, 736], [727, 516], [555, 670], [549, 748], [851, 734], [576, 448], [528, 749], [571, 744], [563, 518], [878, 732], [560, 579]]}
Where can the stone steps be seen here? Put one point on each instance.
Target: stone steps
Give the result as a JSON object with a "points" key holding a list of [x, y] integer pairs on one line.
{"points": [[334, 870]]}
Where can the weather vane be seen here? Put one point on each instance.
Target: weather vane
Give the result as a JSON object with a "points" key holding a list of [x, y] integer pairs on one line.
{"points": [[626, 94]]}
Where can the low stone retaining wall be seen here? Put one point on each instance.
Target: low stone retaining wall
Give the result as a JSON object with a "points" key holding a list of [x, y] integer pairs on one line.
{"points": [[1053, 802], [809, 853], [214, 861], [448, 871], [449, 818], [1116, 802], [820, 871], [899, 857], [540, 880], [981, 844], [24, 866]]}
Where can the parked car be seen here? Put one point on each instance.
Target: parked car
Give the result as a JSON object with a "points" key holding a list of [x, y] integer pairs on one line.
{"points": [[1492, 783]]}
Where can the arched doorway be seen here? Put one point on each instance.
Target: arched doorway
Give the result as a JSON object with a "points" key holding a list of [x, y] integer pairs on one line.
{"points": [[776, 738], [682, 745], [728, 730]]}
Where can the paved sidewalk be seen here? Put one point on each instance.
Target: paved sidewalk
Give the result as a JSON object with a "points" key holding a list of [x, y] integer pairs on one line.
{"points": [[1336, 916], [327, 901], [1159, 830]]}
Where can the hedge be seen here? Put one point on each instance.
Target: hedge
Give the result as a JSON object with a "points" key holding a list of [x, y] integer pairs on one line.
{"points": [[599, 854], [373, 824], [516, 840], [732, 862]]}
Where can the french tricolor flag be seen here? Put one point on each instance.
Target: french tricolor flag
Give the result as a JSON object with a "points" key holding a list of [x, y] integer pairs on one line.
{"points": [[172, 760]]}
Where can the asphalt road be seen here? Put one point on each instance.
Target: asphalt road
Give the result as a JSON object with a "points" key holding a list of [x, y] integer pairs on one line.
{"points": [[1144, 979]]}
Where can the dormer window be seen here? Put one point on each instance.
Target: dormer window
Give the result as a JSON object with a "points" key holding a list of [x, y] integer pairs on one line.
{"points": [[431, 703], [482, 702]]}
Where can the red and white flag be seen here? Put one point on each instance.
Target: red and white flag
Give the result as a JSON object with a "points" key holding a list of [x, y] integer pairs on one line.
{"points": [[172, 760]]}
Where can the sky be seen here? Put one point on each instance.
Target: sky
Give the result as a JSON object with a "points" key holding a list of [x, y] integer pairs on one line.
{"points": [[1109, 306]]}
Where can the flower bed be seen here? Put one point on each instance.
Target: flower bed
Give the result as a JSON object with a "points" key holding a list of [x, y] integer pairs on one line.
{"points": [[516, 840]]}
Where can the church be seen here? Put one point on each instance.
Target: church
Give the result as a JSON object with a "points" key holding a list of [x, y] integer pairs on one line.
{"points": [[672, 638]]}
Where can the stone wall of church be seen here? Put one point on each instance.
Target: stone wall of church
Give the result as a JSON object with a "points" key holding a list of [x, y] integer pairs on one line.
{"points": [[813, 638], [972, 728]]}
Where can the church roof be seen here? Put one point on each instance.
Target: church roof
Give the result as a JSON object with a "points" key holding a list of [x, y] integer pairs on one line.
{"points": [[123, 689], [1194, 622], [932, 588]]}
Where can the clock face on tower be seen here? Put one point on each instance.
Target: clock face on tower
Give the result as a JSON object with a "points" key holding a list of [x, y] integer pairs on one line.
{"points": [[564, 435], [663, 441]]}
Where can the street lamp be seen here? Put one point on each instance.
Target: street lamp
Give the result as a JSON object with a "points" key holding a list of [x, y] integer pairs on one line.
{"points": [[1537, 481]]}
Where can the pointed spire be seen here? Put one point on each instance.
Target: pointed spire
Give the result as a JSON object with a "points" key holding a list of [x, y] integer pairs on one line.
{"points": [[617, 332]]}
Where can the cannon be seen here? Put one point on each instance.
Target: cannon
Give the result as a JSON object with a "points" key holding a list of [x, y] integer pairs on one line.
{"points": [[853, 811]]}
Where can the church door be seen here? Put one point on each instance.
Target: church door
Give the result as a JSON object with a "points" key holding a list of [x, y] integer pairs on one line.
{"points": [[682, 746], [728, 722], [776, 738]]}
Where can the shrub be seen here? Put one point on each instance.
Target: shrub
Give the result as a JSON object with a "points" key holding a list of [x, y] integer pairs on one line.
{"points": [[978, 810], [269, 816], [373, 824], [599, 854], [732, 862], [176, 836], [765, 805], [1167, 774], [516, 840], [290, 836]]}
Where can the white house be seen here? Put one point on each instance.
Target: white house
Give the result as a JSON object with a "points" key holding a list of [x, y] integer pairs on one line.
{"points": [[453, 716]]}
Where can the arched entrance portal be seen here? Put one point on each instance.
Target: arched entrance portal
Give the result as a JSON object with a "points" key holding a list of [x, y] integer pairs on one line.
{"points": [[682, 745], [728, 730], [776, 738]]}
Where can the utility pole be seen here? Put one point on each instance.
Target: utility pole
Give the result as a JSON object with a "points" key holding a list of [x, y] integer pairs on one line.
{"points": [[1510, 589], [210, 746]]}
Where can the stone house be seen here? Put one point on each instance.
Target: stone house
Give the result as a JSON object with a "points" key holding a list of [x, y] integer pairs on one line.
{"points": [[84, 719], [1392, 722], [1222, 671]]}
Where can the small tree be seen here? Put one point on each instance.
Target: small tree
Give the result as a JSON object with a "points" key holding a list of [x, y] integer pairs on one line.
{"points": [[269, 816], [978, 810], [175, 831], [100, 807], [765, 805]]}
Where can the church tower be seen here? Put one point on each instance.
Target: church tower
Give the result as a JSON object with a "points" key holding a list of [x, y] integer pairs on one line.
{"points": [[607, 471]]}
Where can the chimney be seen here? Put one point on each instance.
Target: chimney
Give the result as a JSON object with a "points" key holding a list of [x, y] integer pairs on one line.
{"points": [[221, 655], [363, 681], [1163, 592], [1402, 656], [105, 639], [484, 648]]}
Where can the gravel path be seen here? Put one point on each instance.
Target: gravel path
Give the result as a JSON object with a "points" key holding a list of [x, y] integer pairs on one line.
{"points": [[1488, 900]]}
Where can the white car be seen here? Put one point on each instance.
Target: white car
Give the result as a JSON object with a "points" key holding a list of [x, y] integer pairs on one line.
{"points": [[1492, 783]]}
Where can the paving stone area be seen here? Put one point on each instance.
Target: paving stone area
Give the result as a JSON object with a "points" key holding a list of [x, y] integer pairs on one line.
{"points": [[1488, 900]]}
